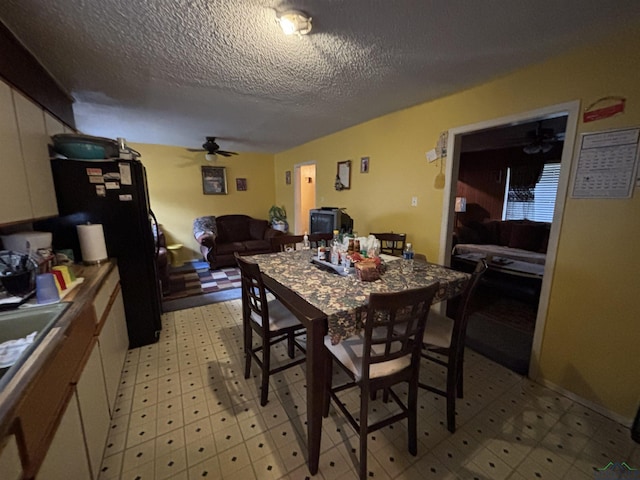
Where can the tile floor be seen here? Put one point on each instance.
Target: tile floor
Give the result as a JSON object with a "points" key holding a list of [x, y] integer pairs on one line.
{"points": [[185, 411]]}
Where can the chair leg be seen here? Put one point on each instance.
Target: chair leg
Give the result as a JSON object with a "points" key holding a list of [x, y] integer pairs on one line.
{"points": [[412, 418], [452, 384], [451, 410], [328, 371], [459, 386], [266, 365], [364, 411], [248, 340], [290, 345]]}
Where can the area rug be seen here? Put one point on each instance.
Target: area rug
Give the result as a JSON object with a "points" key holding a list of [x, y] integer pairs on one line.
{"points": [[193, 285]]}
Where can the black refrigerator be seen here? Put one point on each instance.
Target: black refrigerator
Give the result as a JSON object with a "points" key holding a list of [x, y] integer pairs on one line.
{"points": [[114, 193]]}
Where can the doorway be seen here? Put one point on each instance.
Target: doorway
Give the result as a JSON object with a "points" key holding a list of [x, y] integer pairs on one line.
{"points": [[304, 179], [456, 145]]}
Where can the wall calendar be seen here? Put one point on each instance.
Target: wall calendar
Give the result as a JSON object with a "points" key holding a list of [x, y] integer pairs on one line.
{"points": [[607, 164]]}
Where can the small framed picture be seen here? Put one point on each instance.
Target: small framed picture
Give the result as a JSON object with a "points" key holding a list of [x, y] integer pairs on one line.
{"points": [[364, 165], [241, 184], [214, 180], [287, 177]]}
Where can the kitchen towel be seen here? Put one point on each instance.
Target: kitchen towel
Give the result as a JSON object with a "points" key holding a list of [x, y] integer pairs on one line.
{"points": [[92, 244]]}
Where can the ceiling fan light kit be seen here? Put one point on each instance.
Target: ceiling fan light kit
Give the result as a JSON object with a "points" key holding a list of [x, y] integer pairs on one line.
{"points": [[294, 21], [542, 140], [212, 149]]}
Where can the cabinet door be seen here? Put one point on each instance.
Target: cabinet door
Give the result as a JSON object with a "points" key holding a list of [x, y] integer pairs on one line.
{"points": [[114, 343], [10, 465], [66, 458], [94, 410], [35, 154], [16, 204], [53, 125]]}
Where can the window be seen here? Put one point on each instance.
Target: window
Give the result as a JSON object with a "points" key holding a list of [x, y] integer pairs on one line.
{"points": [[539, 204]]}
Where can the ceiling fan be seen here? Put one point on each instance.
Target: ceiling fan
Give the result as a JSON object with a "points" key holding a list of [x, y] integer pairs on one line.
{"points": [[541, 140], [212, 149]]}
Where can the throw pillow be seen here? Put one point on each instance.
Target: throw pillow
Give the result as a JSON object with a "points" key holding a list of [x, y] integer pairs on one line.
{"points": [[235, 229], [544, 241], [257, 228], [504, 232], [526, 236], [492, 229]]}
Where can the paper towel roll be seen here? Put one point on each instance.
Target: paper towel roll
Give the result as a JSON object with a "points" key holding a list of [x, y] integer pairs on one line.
{"points": [[92, 245]]}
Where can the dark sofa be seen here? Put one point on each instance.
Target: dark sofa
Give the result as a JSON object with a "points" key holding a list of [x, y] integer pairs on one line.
{"points": [[219, 237], [522, 240]]}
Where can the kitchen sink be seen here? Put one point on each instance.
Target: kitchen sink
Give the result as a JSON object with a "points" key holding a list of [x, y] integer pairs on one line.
{"points": [[20, 323]]}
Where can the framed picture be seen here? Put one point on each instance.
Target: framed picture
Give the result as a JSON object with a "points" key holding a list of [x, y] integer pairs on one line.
{"points": [[214, 180], [364, 165], [241, 184], [287, 177], [343, 177]]}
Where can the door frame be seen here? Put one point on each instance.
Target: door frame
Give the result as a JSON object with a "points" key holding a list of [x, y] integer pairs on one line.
{"points": [[297, 193], [454, 144]]}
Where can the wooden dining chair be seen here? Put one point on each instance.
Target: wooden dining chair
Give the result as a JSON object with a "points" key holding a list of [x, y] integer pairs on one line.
{"points": [[391, 243], [282, 243], [385, 354], [446, 337], [272, 322], [420, 257]]}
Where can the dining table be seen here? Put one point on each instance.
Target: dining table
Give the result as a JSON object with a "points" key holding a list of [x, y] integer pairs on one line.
{"points": [[329, 301]]}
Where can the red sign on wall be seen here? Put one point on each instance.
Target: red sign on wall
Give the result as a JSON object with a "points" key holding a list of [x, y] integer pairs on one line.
{"points": [[591, 114]]}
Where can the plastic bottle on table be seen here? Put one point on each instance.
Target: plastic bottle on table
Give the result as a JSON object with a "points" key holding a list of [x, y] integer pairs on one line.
{"points": [[335, 244], [306, 247], [407, 258]]}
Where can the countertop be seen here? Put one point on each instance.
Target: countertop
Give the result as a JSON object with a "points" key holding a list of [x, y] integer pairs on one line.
{"points": [[21, 381]]}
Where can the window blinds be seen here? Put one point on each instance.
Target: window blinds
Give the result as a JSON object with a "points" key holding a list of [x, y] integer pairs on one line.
{"points": [[542, 206]]}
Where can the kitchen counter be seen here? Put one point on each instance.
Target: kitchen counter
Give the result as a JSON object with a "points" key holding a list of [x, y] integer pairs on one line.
{"points": [[17, 389]]}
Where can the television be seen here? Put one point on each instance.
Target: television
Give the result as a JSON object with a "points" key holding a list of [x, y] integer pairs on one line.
{"points": [[328, 219]]}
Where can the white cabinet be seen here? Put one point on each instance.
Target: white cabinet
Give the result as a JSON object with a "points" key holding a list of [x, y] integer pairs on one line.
{"points": [[113, 339], [35, 155], [26, 181], [16, 203], [53, 125], [10, 465], [66, 457], [94, 409], [114, 343]]}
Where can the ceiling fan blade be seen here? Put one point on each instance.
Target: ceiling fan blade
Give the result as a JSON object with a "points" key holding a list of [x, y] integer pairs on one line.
{"points": [[224, 153], [196, 150]]}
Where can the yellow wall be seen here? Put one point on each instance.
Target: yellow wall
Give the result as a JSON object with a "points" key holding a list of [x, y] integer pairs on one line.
{"points": [[175, 190], [590, 343]]}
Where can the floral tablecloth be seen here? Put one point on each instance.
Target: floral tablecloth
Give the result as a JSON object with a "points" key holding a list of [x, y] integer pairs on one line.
{"points": [[342, 298]]}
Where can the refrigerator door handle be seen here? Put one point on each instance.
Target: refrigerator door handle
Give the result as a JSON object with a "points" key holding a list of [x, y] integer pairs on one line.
{"points": [[155, 234]]}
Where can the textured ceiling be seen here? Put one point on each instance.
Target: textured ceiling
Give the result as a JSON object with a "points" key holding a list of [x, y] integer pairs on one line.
{"points": [[174, 71]]}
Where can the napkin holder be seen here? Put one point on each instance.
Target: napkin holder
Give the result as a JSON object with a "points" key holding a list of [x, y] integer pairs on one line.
{"points": [[367, 271]]}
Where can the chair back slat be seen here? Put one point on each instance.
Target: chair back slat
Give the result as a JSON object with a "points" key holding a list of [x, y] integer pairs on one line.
{"points": [[391, 243], [393, 323], [254, 296]]}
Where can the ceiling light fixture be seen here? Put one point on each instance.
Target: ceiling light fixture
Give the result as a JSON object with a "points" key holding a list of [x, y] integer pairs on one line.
{"points": [[210, 157], [294, 21]]}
